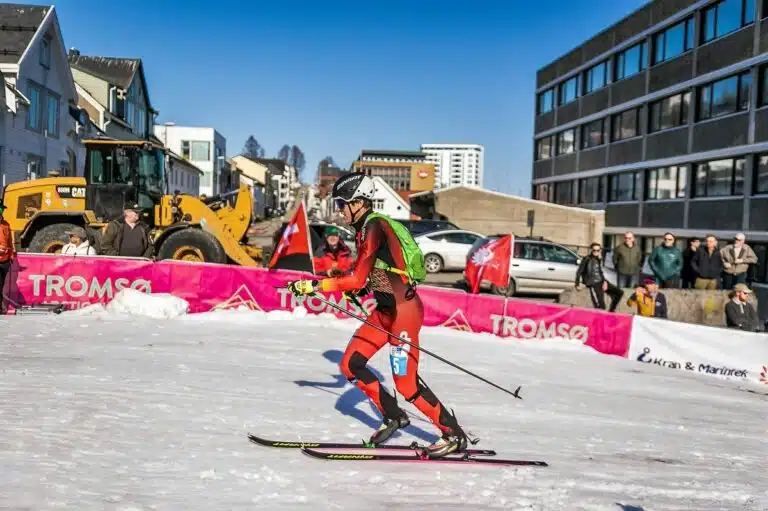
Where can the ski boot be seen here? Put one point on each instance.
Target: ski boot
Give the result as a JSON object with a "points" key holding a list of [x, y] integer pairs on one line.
{"points": [[387, 429], [453, 442]]}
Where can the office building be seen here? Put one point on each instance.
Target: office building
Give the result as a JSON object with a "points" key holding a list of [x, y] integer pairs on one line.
{"points": [[661, 120], [403, 171], [456, 164]]}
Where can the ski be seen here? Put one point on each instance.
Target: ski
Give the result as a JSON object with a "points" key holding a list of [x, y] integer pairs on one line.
{"points": [[349, 445], [463, 457]]}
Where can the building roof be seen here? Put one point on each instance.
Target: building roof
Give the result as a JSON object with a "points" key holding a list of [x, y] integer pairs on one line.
{"points": [[380, 183], [19, 24], [276, 166], [383, 152], [497, 194], [117, 71]]}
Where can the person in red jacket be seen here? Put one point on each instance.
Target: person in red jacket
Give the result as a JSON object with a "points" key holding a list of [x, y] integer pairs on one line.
{"points": [[7, 252], [335, 257], [379, 268]]}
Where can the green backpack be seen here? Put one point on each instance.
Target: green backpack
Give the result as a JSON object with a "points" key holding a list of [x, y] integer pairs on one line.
{"points": [[412, 254]]}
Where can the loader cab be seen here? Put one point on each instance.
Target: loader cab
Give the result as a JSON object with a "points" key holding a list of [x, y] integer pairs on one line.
{"points": [[119, 173]]}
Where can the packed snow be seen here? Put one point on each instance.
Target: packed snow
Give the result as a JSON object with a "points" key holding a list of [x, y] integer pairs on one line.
{"points": [[143, 407]]}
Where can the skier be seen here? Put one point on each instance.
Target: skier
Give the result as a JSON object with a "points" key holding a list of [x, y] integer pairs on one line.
{"points": [[382, 267]]}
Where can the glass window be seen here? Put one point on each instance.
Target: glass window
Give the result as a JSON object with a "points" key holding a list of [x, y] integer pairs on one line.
{"points": [[591, 190], [761, 174], [542, 192], [544, 148], [724, 96], [592, 134], [569, 90], [45, 52], [566, 192], [546, 101], [34, 111], [669, 112], [720, 177], [625, 186], [596, 77], [673, 41], [555, 254], [666, 182], [626, 124], [566, 141], [725, 17], [631, 61], [52, 117]]}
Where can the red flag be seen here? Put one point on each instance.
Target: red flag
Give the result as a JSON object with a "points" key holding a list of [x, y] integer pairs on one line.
{"points": [[490, 262], [294, 250]]}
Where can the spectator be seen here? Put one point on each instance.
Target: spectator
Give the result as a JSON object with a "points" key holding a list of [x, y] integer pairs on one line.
{"points": [[708, 265], [737, 257], [666, 262], [334, 257], [128, 236], [739, 313], [590, 272], [688, 274], [78, 243], [649, 301], [7, 253], [627, 259]]}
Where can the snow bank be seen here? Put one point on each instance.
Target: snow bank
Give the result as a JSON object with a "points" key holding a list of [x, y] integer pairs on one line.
{"points": [[137, 303]]}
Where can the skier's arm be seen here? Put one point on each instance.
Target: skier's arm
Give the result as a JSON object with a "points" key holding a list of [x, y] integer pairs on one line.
{"points": [[366, 257]]}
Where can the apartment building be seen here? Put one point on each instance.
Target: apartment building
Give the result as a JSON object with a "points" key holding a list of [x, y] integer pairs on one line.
{"points": [[456, 164], [403, 171], [206, 148], [662, 120]]}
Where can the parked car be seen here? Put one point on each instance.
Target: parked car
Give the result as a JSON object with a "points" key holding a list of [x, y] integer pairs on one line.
{"points": [[538, 266], [418, 227], [446, 250]]}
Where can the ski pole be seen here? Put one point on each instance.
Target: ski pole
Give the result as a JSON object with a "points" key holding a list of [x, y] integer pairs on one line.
{"points": [[516, 393]]}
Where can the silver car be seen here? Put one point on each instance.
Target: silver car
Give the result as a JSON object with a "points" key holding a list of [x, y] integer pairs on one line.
{"points": [[539, 267]]}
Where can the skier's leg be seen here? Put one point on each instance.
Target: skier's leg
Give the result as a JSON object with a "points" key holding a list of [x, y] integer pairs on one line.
{"points": [[365, 342]]}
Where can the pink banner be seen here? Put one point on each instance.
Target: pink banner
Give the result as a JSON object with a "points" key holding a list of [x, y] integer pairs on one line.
{"points": [[80, 281]]}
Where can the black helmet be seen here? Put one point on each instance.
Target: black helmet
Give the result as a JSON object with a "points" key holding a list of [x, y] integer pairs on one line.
{"points": [[353, 186]]}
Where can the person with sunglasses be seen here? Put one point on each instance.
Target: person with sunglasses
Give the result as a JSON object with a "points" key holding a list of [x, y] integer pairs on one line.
{"points": [[666, 263], [590, 272], [381, 268]]}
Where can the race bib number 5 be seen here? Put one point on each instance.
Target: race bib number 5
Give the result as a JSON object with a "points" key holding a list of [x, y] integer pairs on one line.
{"points": [[398, 357]]}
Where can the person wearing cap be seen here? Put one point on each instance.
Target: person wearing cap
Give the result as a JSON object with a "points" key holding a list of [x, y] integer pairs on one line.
{"points": [[127, 236], [7, 252], [78, 243], [335, 257], [737, 257], [648, 301], [739, 313]]}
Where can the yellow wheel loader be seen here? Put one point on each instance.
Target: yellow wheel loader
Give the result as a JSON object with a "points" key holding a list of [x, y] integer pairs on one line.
{"points": [[119, 173]]}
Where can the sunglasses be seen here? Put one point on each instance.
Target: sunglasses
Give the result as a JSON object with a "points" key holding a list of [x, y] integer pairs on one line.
{"points": [[340, 203]]}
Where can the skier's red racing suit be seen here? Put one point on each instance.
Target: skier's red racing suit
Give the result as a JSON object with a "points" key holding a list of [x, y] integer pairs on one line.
{"points": [[399, 310]]}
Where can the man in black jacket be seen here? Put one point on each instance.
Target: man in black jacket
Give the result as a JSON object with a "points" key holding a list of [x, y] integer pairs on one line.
{"points": [[590, 272], [708, 265], [128, 236], [739, 313]]}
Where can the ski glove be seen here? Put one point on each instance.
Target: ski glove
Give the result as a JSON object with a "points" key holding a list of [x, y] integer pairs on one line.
{"points": [[302, 287]]}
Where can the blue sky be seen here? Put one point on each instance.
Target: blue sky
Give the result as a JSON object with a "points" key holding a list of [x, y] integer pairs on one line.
{"points": [[336, 77]]}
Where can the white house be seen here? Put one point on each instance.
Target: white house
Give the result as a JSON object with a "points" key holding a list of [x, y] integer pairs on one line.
{"points": [[388, 202], [206, 148], [183, 176], [253, 174], [38, 132], [456, 164]]}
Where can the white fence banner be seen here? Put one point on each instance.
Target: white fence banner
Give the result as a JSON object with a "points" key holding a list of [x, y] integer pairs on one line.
{"points": [[725, 353]]}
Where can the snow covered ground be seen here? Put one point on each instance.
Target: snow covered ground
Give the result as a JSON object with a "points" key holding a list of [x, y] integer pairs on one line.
{"points": [[120, 412]]}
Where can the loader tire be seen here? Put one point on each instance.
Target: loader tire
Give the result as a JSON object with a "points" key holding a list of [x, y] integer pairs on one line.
{"points": [[50, 239], [194, 245]]}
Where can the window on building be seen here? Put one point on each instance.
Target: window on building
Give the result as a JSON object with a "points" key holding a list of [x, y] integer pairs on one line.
{"points": [[378, 204], [543, 192], [52, 115], [666, 182], [569, 90], [45, 51], [673, 41], [725, 17], [669, 112], [596, 77], [761, 174], [631, 61], [185, 149], [35, 165], [566, 192], [720, 177], [544, 148], [625, 186], [566, 141], [592, 134], [34, 111], [626, 124], [546, 101], [591, 190], [724, 96]]}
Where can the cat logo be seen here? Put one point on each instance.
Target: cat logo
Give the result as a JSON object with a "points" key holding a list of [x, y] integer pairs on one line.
{"points": [[351, 456], [71, 192]]}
